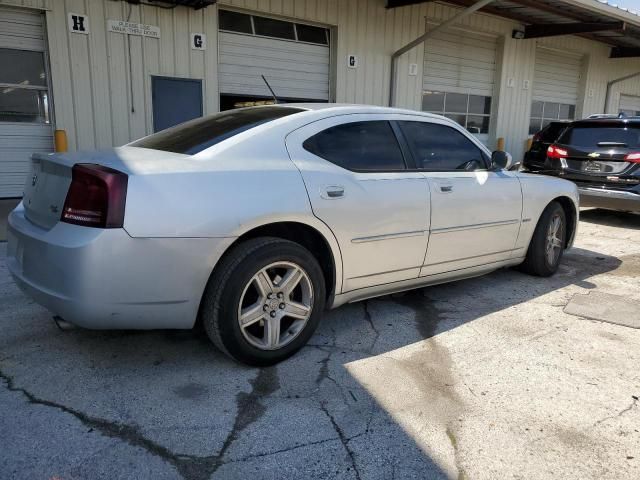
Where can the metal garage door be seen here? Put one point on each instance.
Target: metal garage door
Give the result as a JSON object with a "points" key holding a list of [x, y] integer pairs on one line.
{"points": [[294, 58], [25, 125], [555, 87], [630, 105], [459, 76]]}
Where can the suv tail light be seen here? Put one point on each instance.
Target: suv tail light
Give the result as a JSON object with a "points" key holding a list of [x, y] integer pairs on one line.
{"points": [[633, 157], [96, 197], [556, 152]]}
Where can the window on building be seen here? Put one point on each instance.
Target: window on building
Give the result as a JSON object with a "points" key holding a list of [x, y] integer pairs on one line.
{"points": [[361, 146], [543, 113], [270, 27], [437, 147], [473, 112], [310, 34], [23, 87], [235, 22]]}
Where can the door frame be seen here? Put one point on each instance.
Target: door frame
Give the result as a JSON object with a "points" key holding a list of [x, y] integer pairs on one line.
{"points": [[184, 79]]}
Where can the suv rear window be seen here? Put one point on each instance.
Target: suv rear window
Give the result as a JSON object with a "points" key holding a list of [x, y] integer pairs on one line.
{"points": [[591, 136], [199, 134]]}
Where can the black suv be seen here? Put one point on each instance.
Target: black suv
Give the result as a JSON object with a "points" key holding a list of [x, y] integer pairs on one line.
{"points": [[602, 156], [536, 157]]}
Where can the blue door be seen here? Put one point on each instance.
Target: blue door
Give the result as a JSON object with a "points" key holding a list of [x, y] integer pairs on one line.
{"points": [[175, 100]]}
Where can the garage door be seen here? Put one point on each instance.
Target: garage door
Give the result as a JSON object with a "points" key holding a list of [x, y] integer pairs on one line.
{"points": [[293, 57], [24, 98], [555, 87], [459, 76], [630, 105]]}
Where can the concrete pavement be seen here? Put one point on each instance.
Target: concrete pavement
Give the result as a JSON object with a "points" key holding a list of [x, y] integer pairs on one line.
{"points": [[481, 379]]}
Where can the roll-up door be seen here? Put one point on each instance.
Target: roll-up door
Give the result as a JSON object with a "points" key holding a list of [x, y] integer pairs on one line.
{"points": [[630, 105], [556, 83], [459, 76], [24, 97], [294, 58]]}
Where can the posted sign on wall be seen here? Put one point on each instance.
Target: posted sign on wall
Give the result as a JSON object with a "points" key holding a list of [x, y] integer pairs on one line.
{"points": [[120, 26]]}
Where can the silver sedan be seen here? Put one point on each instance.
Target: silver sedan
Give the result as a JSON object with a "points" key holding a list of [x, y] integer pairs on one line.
{"points": [[253, 221]]}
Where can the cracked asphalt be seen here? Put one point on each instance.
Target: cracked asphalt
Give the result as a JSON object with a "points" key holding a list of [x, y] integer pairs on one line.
{"points": [[479, 379]]}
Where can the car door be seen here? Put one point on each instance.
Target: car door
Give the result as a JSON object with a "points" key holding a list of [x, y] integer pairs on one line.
{"points": [[475, 212], [355, 173]]}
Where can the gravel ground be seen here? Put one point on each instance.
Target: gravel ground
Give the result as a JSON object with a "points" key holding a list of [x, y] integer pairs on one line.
{"points": [[480, 379]]}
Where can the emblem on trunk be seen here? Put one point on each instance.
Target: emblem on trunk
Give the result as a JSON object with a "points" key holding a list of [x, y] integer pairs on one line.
{"points": [[34, 180], [594, 155]]}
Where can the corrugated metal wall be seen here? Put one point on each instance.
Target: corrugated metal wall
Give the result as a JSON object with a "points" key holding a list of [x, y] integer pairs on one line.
{"points": [[100, 101]]}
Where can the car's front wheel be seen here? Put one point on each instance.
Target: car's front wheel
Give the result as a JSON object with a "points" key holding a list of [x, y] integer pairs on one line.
{"points": [[264, 301], [548, 242]]}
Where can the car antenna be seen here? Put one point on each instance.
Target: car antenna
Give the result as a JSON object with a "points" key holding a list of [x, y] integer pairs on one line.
{"points": [[273, 94]]}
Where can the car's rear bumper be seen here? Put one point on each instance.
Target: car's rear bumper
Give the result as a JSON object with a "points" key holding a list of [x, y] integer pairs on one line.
{"points": [[611, 199], [103, 278]]}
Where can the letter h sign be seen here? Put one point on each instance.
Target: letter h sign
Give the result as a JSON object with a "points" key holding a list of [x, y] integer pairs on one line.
{"points": [[78, 23]]}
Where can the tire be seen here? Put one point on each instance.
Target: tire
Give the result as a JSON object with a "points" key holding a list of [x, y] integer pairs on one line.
{"points": [[538, 261], [238, 288]]}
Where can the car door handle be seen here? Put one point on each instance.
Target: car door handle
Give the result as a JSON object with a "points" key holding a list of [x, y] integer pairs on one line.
{"points": [[446, 188], [331, 192]]}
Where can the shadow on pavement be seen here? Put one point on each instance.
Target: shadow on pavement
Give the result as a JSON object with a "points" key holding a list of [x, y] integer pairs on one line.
{"points": [[323, 414], [611, 218]]}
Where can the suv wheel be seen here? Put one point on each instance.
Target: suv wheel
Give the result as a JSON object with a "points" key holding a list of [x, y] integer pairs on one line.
{"points": [[264, 301]]}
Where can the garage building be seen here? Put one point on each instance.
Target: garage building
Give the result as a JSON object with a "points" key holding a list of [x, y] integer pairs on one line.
{"points": [[108, 71]]}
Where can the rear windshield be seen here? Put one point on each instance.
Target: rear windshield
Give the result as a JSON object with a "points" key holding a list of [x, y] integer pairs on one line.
{"points": [[201, 133], [599, 137]]}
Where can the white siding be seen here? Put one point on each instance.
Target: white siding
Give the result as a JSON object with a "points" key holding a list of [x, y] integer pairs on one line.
{"points": [[460, 62], [293, 69], [101, 101], [630, 103], [557, 76]]}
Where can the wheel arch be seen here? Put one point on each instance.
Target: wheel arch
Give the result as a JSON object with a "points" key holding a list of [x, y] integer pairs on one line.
{"points": [[572, 214], [317, 238]]}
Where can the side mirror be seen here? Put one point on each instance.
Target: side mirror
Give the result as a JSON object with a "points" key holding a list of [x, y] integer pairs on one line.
{"points": [[501, 160]]}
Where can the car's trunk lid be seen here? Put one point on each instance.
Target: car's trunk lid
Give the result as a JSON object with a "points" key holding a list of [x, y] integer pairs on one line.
{"points": [[46, 189], [599, 161], [47, 185]]}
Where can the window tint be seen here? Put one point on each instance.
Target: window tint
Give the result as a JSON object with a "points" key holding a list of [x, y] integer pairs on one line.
{"points": [[270, 27], [235, 22], [199, 134], [440, 148], [307, 33], [552, 132], [589, 137], [361, 146]]}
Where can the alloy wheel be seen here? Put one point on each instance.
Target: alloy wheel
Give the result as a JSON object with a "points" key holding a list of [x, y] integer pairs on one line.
{"points": [[555, 239], [275, 305]]}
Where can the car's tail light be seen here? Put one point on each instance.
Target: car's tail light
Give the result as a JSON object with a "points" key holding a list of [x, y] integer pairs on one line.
{"points": [[633, 157], [96, 197], [556, 152]]}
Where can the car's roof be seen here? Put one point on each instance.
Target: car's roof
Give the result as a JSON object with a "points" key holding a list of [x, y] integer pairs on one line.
{"points": [[611, 122], [342, 108]]}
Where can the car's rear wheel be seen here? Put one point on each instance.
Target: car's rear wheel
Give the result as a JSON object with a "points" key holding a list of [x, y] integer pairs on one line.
{"points": [[264, 301], [548, 242]]}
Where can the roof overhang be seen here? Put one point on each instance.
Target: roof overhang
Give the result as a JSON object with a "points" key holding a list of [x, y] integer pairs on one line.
{"points": [[592, 19], [195, 4]]}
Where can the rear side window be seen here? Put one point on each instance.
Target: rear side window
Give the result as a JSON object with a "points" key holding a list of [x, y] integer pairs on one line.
{"points": [[360, 146], [551, 132], [599, 137], [197, 135], [440, 148]]}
